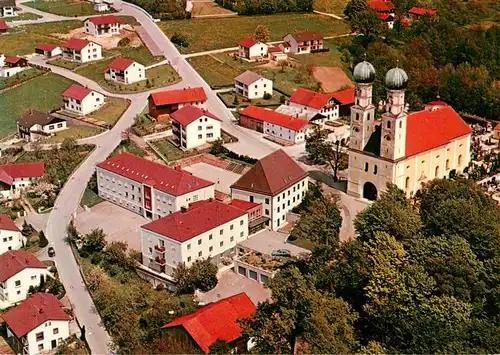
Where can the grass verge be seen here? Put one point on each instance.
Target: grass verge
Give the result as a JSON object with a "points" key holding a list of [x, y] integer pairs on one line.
{"points": [[90, 198], [76, 132], [111, 112], [25, 16], [170, 151]]}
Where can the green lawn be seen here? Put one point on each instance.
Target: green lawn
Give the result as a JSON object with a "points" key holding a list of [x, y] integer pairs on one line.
{"points": [[330, 6], [90, 198], [228, 99], [129, 147], [75, 132], [64, 7], [303, 243], [209, 34], [22, 76], [325, 59], [23, 17], [111, 111], [170, 151], [66, 64], [42, 93]]}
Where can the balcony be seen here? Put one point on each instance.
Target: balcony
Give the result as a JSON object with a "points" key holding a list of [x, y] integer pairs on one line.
{"points": [[160, 261], [160, 249]]}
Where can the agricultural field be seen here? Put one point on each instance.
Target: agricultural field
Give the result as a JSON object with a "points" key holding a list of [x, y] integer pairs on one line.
{"points": [[228, 99], [330, 6], [208, 8], [210, 34], [67, 8]]}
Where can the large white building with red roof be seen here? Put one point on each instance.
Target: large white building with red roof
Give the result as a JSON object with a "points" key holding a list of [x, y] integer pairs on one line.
{"points": [[81, 50], [18, 272], [311, 103], [252, 50], [38, 325], [167, 102], [406, 149], [105, 25], [82, 100], [303, 42], [150, 189], [16, 177], [193, 127], [125, 71], [10, 235]]}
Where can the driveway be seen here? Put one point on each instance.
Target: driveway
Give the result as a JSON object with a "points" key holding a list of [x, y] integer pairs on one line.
{"points": [[222, 178]]}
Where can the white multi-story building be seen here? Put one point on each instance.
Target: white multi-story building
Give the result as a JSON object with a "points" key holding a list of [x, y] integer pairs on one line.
{"points": [[7, 8], [82, 100], [163, 103], [206, 229], [125, 71], [10, 236], [37, 325], [311, 103], [150, 189], [33, 125], [303, 42], [16, 177], [81, 50], [193, 127], [18, 272], [105, 25], [251, 49], [277, 182], [252, 85]]}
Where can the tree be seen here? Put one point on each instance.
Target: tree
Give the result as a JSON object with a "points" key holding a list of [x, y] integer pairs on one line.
{"points": [[72, 232], [220, 347], [354, 7], [27, 229], [262, 33], [202, 275], [42, 240], [94, 277], [116, 254], [69, 144], [367, 23], [95, 241], [283, 63], [179, 39]]}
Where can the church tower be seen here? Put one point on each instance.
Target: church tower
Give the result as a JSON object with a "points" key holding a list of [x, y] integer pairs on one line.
{"points": [[393, 132], [363, 110]]}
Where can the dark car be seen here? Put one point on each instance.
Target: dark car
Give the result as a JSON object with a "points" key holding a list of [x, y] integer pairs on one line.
{"points": [[281, 252], [51, 252]]}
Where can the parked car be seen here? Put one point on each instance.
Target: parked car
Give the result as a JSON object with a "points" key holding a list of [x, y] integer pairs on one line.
{"points": [[51, 252], [281, 252]]}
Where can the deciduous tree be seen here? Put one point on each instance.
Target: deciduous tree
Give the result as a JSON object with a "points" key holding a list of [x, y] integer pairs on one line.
{"points": [[262, 33]]}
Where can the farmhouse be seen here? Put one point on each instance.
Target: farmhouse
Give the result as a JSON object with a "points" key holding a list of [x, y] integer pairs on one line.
{"points": [[277, 53], [33, 125], [81, 50], [251, 49], [125, 71], [82, 100], [312, 103], [303, 42], [105, 25], [385, 10], [10, 236], [12, 65], [48, 50], [15, 177], [388, 19], [252, 85], [416, 12], [8, 8], [167, 102], [345, 99]]}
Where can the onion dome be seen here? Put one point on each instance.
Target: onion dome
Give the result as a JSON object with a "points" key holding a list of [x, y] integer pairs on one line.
{"points": [[364, 72], [396, 79]]}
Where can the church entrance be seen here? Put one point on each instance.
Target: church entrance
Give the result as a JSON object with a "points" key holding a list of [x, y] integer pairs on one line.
{"points": [[369, 191]]}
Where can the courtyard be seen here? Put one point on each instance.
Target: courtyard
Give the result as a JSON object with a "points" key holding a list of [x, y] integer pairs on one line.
{"points": [[222, 178]]}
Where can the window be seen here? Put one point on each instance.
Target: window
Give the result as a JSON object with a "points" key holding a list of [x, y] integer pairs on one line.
{"points": [[251, 198], [210, 135], [267, 201], [189, 247], [366, 166], [33, 277], [266, 212], [231, 239], [253, 275], [242, 270], [231, 227], [199, 254], [388, 124], [210, 237], [40, 346], [200, 136], [221, 232], [39, 336], [55, 331], [436, 172], [199, 128], [407, 182], [18, 283], [199, 241], [447, 164], [241, 222], [459, 160], [263, 278], [400, 124], [357, 116], [242, 234], [189, 259], [221, 244], [210, 127], [375, 169]]}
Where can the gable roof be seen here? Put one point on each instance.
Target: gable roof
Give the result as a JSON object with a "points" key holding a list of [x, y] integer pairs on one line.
{"points": [[248, 77], [344, 97], [497, 127], [189, 114], [3, 24], [33, 312], [271, 175], [178, 96], [199, 218], [310, 98], [264, 115], [104, 20], [161, 177], [422, 11], [46, 47], [274, 49], [76, 92], [76, 44], [7, 3], [6, 223], [120, 64], [9, 172], [14, 261], [31, 117], [218, 320], [14, 59], [302, 36], [381, 5], [247, 42], [386, 17]]}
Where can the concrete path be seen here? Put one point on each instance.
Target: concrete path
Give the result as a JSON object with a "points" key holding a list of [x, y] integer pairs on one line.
{"points": [[329, 14]]}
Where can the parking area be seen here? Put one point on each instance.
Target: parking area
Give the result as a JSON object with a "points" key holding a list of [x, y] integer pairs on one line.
{"points": [[125, 226], [267, 241], [222, 178]]}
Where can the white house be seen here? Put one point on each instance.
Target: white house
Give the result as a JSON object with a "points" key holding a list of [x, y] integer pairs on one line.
{"points": [[19, 271], [48, 50], [277, 53], [303, 42], [105, 25], [82, 100], [163, 103], [193, 127], [33, 125], [286, 128], [8, 8], [311, 103], [10, 236], [10, 66], [150, 189], [205, 229], [81, 50], [102, 5], [277, 182], [15, 177], [125, 71], [252, 85], [251, 49], [39, 324]]}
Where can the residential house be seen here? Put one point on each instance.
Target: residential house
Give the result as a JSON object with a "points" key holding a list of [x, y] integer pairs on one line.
{"points": [[20, 270], [252, 85], [496, 131], [8, 8], [33, 125], [389, 19], [289, 129], [10, 236], [102, 5], [105, 25], [48, 50], [81, 100], [10, 66], [303, 42], [3, 26], [416, 12], [193, 127], [16, 177], [311, 103], [385, 10], [37, 325], [149, 189], [344, 99], [277, 53], [255, 212], [205, 229], [251, 49], [277, 182], [167, 102], [125, 71], [215, 321], [81, 50]]}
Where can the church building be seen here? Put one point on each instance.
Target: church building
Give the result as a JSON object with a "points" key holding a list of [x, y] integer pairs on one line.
{"points": [[407, 149]]}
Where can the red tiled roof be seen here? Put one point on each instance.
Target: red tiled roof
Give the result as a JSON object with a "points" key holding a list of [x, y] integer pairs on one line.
{"points": [[13, 59], [120, 64], [104, 20], [14, 261], [218, 320], [385, 17], [262, 114], [307, 36], [76, 92], [271, 175], [274, 49], [46, 47], [178, 96], [310, 98], [3, 24], [33, 312], [161, 177], [6, 223], [345, 97], [247, 42], [9, 172], [497, 127], [188, 114], [422, 11], [199, 218], [426, 130], [381, 5], [242, 204], [75, 43]]}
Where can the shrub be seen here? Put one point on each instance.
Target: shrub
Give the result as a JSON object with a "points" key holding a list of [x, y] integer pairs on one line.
{"points": [[42, 240], [268, 96], [124, 42], [96, 258], [282, 99], [320, 50]]}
